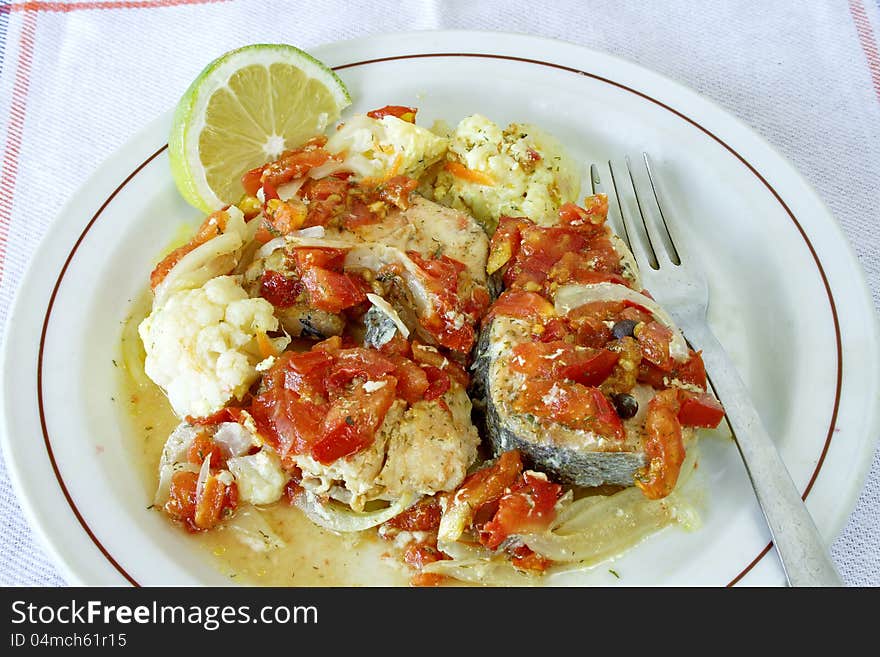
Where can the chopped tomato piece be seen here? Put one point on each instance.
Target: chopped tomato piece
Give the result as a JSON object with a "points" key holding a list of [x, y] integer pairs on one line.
{"points": [[266, 232], [584, 365], [652, 375], [330, 401], [350, 364], [594, 212], [450, 331], [279, 290], [332, 291], [203, 446], [227, 414], [481, 490], [654, 339], [489, 484], [699, 410], [505, 241], [402, 112], [360, 214], [251, 181], [589, 322], [529, 506], [427, 579], [269, 192], [428, 355], [323, 189], [571, 404], [397, 346], [215, 500], [443, 269], [181, 504], [540, 249], [523, 558], [554, 329], [438, 383], [522, 305], [663, 446], [290, 424], [447, 321], [286, 216], [301, 372], [323, 257], [479, 302], [296, 163], [200, 510], [693, 371], [352, 421], [331, 345], [599, 263], [397, 190], [421, 517]]}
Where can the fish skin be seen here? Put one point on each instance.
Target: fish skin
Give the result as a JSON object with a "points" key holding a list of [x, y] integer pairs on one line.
{"points": [[380, 328]]}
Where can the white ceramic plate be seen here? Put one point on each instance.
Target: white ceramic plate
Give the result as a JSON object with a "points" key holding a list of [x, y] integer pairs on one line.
{"points": [[788, 301]]}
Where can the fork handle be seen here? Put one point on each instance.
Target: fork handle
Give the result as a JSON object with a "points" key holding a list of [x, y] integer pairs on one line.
{"points": [[800, 547]]}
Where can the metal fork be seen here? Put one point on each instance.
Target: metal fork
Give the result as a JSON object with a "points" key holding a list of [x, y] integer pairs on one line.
{"points": [[674, 278]]}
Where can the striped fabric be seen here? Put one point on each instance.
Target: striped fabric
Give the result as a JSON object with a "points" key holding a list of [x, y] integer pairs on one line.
{"points": [[804, 75]]}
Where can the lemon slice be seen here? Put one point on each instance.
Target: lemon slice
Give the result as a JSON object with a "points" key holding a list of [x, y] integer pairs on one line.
{"points": [[243, 110]]}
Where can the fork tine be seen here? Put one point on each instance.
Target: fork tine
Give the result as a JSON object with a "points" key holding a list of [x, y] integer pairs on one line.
{"points": [[598, 188], [595, 180], [655, 239], [677, 245], [642, 253]]}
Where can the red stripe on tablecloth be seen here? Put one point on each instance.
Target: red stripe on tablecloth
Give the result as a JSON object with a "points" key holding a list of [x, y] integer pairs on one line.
{"points": [[15, 128], [30, 7], [867, 40]]}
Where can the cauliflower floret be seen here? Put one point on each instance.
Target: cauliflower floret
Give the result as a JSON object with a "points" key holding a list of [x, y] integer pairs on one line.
{"points": [[259, 476], [530, 173], [376, 148], [201, 345]]}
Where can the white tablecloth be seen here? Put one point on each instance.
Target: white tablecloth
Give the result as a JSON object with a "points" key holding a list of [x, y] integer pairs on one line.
{"points": [[806, 75]]}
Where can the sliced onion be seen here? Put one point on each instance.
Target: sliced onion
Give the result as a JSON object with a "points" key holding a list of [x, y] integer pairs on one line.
{"points": [[327, 169], [288, 190], [216, 257], [494, 572], [387, 309], [611, 529], [569, 297], [270, 247], [166, 474], [463, 551], [296, 241], [455, 518], [338, 518], [173, 460], [311, 231], [204, 473]]}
